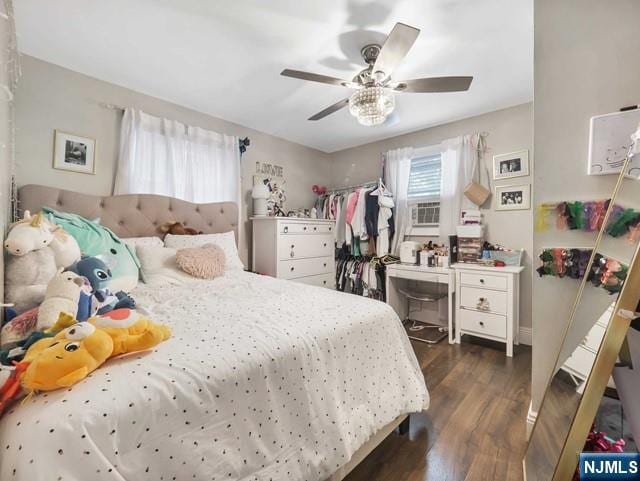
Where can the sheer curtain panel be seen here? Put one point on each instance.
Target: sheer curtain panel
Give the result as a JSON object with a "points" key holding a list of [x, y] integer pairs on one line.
{"points": [[459, 155], [166, 157], [397, 167]]}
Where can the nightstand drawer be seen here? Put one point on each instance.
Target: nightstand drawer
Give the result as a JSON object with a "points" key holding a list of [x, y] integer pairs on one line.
{"points": [[322, 280], [305, 267], [483, 323], [484, 300], [483, 280], [301, 245], [305, 228]]}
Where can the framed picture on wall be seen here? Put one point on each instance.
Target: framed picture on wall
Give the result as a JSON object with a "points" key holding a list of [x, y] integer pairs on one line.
{"points": [[513, 197], [514, 164], [74, 153]]}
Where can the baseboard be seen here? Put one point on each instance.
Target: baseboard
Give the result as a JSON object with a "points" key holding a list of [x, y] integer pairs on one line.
{"points": [[526, 336], [531, 420]]}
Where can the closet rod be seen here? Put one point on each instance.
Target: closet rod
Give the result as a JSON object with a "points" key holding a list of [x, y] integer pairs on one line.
{"points": [[351, 187]]}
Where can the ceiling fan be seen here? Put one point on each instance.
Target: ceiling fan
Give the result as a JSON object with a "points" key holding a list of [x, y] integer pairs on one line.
{"points": [[373, 98]]}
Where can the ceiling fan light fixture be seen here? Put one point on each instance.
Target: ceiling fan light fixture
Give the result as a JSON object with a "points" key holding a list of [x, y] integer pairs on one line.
{"points": [[371, 105]]}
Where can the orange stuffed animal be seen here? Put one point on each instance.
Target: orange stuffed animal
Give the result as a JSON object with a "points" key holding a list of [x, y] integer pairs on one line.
{"points": [[72, 354]]}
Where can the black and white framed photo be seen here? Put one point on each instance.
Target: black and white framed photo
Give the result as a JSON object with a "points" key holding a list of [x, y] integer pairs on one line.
{"points": [[513, 197], [508, 166], [74, 153]]}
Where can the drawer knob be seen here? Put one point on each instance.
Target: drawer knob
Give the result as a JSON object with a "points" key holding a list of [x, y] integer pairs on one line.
{"points": [[315, 228], [329, 229], [324, 245], [292, 269], [483, 304], [481, 281], [304, 228], [324, 265], [482, 323], [324, 282], [286, 229], [292, 246]]}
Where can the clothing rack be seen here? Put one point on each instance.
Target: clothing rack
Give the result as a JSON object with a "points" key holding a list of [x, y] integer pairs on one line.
{"points": [[351, 187]]}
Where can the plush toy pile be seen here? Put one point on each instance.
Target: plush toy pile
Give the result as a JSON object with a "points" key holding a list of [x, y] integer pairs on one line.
{"points": [[71, 354], [63, 307]]}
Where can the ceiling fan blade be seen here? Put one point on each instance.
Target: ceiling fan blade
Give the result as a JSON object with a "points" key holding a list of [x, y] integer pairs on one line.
{"points": [[314, 77], [433, 84], [329, 110], [395, 48]]}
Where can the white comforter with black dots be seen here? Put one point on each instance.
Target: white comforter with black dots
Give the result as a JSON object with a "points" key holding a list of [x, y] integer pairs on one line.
{"points": [[263, 379]]}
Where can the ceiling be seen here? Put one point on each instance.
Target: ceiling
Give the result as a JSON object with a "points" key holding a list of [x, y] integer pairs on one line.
{"points": [[224, 57]]}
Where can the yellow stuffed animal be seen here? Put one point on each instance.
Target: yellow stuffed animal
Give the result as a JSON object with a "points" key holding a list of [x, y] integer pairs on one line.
{"points": [[78, 350], [66, 358], [130, 330]]}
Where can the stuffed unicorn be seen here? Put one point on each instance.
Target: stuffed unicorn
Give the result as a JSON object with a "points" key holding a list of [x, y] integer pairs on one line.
{"points": [[38, 249], [28, 235], [33, 233]]}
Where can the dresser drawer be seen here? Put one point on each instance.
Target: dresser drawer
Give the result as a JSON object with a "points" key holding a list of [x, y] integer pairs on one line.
{"points": [[484, 300], [300, 246], [322, 280], [593, 339], [483, 323], [482, 280], [580, 362], [305, 228], [305, 267]]}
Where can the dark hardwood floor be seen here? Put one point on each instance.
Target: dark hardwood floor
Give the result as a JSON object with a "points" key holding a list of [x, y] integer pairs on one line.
{"points": [[475, 427]]}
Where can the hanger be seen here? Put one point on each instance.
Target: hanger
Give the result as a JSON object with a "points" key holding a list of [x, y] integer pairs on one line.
{"points": [[381, 189]]}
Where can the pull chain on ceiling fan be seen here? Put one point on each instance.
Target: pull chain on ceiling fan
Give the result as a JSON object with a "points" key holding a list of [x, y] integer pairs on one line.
{"points": [[373, 99]]}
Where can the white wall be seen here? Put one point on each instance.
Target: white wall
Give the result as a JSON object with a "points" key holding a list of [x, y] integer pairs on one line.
{"points": [[586, 63], [7, 42], [50, 97], [509, 130]]}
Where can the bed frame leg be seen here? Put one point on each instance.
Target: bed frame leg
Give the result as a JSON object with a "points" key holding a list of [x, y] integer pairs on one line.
{"points": [[403, 427]]}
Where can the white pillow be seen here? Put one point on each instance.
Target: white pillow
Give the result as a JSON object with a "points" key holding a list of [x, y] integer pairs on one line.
{"points": [[158, 266], [134, 242], [226, 242]]}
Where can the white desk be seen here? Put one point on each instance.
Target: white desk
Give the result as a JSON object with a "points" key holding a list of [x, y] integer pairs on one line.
{"points": [[440, 275]]}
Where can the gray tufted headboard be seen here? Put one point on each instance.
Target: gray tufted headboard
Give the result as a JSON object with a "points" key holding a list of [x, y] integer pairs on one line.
{"points": [[135, 215]]}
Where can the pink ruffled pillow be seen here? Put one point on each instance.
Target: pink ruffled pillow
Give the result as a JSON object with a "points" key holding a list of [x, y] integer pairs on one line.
{"points": [[204, 262]]}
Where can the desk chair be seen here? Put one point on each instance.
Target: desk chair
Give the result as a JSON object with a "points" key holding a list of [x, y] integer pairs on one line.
{"points": [[433, 333]]}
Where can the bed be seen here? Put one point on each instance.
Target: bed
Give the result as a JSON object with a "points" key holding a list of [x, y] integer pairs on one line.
{"points": [[263, 379]]}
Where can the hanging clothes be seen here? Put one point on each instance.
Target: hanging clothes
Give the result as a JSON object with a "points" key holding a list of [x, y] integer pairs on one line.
{"points": [[358, 221], [339, 231], [360, 275], [318, 206], [385, 213], [352, 201]]}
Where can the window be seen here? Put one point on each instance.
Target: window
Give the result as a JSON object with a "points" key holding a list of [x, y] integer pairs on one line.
{"points": [[425, 179]]}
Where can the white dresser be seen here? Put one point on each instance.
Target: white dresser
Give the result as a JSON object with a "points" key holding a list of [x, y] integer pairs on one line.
{"points": [[581, 361], [301, 250], [487, 304]]}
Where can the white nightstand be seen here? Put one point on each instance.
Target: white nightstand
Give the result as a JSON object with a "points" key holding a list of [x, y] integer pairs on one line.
{"points": [[487, 304]]}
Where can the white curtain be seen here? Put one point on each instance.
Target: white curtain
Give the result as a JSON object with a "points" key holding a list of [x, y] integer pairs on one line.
{"points": [[166, 157], [459, 155], [397, 167]]}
